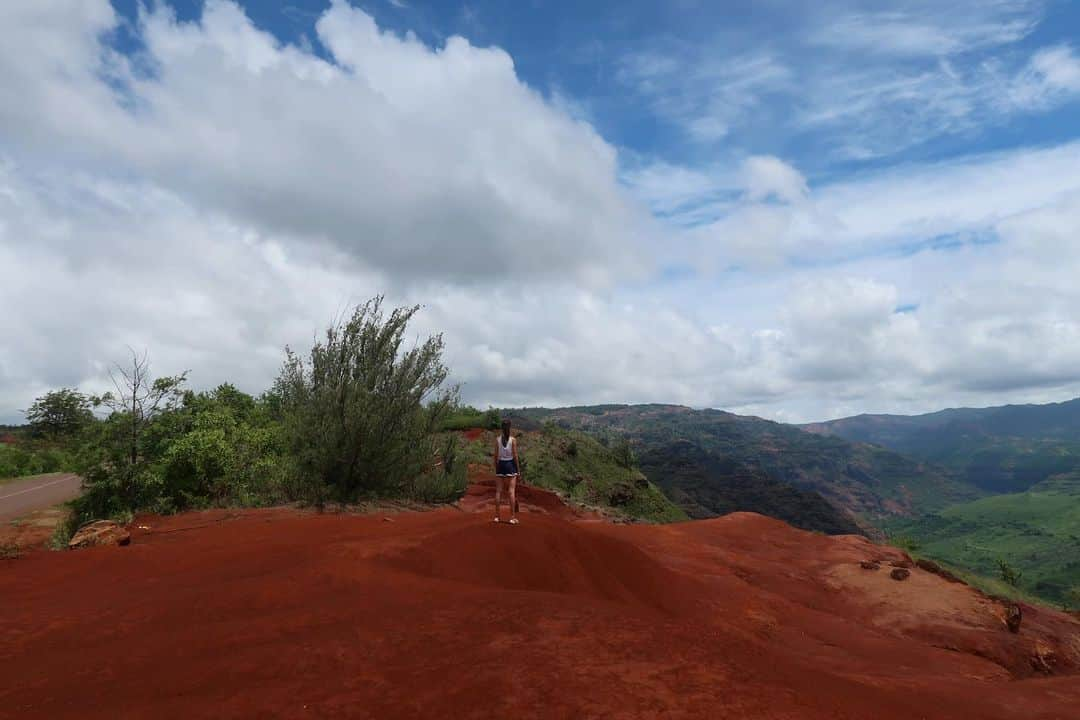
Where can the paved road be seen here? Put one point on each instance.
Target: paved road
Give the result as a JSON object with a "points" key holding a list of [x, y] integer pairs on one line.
{"points": [[34, 493]]}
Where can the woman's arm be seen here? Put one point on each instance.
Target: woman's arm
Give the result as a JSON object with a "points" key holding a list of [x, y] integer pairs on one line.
{"points": [[517, 462]]}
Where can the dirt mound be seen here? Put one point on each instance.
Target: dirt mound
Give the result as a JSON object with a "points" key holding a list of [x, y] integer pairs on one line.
{"points": [[281, 613], [550, 556], [480, 495]]}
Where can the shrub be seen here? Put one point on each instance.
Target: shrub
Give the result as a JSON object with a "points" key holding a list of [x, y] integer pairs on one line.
{"points": [[360, 412], [906, 542], [468, 418], [492, 419], [1072, 598], [214, 448], [32, 458], [624, 454], [1008, 573]]}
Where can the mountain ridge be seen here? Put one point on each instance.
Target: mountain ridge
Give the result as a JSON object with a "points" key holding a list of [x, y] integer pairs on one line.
{"points": [[863, 481], [1006, 448]]}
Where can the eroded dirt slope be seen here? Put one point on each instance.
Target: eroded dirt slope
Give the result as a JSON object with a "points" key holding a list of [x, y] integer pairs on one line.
{"points": [[445, 614]]}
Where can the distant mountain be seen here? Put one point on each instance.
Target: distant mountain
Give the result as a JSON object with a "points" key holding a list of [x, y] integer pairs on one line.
{"points": [[705, 485], [1037, 532], [998, 449], [864, 481]]}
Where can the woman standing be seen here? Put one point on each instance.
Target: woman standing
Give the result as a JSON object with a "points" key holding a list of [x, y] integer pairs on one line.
{"points": [[506, 466]]}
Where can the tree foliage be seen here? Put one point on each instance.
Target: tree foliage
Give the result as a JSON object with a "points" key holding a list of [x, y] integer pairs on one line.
{"points": [[624, 453], [360, 412], [138, 401], [59, 414], [1009, 574]]}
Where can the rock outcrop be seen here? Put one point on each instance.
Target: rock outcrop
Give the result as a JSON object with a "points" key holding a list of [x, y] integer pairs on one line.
{"points": [[100, 532]]}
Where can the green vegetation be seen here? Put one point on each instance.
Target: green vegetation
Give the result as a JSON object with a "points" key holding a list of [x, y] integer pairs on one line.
{"points": [[1028, 540], [1009, 574], [360, 414], [1002, 449], [34, 457], [706, 486], [862, 480], [467, 417], [578, 467], [356, 419], [45, 445], [363, 416], [59, 414]]}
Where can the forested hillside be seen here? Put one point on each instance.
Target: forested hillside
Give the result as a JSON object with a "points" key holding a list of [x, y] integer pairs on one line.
{"points": [[998, 449], [863, 481]]}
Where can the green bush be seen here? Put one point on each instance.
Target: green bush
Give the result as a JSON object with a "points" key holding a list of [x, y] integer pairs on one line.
{"points": [[467, 417], [437, 486], [1009, 574], [360, 412], [211, 449], [224, 460], [31, 458]]}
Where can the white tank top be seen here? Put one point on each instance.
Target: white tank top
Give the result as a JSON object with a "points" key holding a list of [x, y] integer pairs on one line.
{"points": [[506, 452]]}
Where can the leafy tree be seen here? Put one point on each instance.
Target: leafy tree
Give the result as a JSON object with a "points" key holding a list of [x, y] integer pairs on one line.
{"points": [[59, 414], [624, 453], [139, 400], [360, 411], [117, 462]]}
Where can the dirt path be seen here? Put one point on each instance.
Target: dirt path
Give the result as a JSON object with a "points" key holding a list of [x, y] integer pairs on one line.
{"points": [[26, 495], [281, 613]]}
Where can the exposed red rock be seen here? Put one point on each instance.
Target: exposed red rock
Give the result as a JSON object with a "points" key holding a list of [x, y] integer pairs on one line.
{"points": [[281, 613], [101, 532]]}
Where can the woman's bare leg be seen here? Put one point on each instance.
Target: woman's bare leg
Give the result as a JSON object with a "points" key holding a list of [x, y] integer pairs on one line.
{"points": [[498, 497], [513, 496]]}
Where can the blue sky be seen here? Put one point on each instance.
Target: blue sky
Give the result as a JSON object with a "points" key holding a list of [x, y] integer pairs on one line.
{"points": [[797, 210], [644, 73]]}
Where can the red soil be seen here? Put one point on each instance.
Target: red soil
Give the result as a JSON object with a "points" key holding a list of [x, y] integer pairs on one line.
{"points": [[472, 434], [445, 614]]}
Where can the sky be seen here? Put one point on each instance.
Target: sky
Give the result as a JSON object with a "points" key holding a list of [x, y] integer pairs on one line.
{"points": [[794, 210]]}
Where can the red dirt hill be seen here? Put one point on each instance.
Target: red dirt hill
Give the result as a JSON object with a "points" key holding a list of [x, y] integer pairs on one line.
{"points": [[444, 614]]}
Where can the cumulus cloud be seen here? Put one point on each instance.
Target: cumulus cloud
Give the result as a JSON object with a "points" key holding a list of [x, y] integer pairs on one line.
{"points": [[218, 195], [416, 160], [767, 176], [1052, 75]]}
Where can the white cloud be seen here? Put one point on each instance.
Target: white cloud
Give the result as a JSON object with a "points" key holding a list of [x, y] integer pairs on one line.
{"points": [[703, 94], [779, 218], [859, 84], [1051, 76], [224, 195], [766, 176], [421, 162], [935, 29]]}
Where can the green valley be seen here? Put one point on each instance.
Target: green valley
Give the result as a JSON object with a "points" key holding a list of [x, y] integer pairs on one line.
{"points": [[1035, 533], [860, 481]]}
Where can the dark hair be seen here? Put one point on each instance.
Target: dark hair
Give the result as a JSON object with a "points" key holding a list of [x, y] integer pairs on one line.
{"points": [[506, 427]]}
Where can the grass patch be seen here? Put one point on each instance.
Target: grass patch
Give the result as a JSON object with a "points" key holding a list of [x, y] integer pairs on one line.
{"points": [[578, 467], [1036, 533]]}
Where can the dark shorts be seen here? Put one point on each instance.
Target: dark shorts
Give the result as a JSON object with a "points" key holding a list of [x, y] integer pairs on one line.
{"points": [[506, 468]]}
